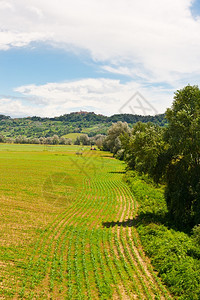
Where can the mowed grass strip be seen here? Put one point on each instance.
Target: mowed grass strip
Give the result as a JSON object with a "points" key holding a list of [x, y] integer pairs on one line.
{"points": [[64, 227]]}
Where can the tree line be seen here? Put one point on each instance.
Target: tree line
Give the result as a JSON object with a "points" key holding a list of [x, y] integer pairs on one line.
{"points": [[83, 139], [169, 155]]}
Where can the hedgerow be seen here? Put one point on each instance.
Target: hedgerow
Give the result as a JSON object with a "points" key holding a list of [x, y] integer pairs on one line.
{"points": [[174, 254]]}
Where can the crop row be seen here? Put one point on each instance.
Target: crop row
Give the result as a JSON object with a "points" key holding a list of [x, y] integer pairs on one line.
{"points": [[89, 250]]}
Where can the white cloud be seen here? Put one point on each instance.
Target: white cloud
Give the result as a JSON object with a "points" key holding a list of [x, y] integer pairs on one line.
{"points": [[162, 36], [18, 39], [99, 95], [155, 41]]}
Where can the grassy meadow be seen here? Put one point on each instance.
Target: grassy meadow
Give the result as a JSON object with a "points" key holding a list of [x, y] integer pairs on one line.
{"points": [[72, 136], [66, 227]]}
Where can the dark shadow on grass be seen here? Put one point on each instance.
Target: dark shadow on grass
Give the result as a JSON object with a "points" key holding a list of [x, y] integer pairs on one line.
{"points": [[117, 172], [144, 219], [128, 223]]}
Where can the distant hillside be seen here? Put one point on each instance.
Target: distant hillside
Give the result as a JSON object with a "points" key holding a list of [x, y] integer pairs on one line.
{"points": [[97, 118], [2, 117], [76, 122], [131, 119]]}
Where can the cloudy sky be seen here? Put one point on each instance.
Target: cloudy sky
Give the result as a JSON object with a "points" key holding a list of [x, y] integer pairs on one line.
{"points": [[62, 56]]}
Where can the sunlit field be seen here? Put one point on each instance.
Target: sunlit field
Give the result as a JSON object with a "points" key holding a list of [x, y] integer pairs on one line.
{"points": [[67, 229]]}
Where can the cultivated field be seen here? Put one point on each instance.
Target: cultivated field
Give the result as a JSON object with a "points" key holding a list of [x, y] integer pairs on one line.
{"points": [[67, 229]]}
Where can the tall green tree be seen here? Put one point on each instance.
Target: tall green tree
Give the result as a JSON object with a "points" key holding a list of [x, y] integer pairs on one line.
{"points": [[112, 141], [183, 169], [144, 148], [84, 139]]}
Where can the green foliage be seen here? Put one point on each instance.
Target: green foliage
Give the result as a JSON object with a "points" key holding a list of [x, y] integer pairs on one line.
{"points": [[2, 117], [182, 193], [183, 167], [196, 234], [112, 141], [98, 140], [2, 139], [183, 132], [92, 118], [174, 254], [84, 139], [77, 141], [132, 119], [145, 148], [170, 254], [171, 155], [151, 200]]}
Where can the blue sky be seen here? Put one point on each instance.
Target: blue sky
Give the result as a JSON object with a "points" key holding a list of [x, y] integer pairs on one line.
{"points": [[40, 63], [64, 57], [195, 8]]}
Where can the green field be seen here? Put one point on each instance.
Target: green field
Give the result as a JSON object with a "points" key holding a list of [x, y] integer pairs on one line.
{"points": [[67, 229], [72, 136]]}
